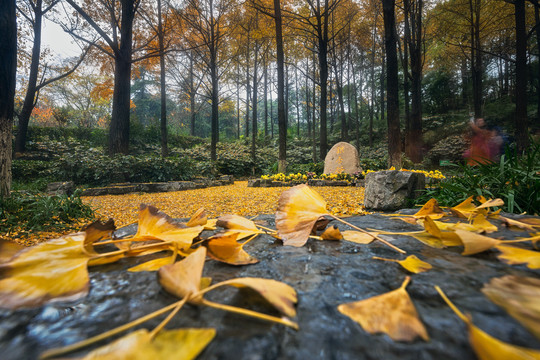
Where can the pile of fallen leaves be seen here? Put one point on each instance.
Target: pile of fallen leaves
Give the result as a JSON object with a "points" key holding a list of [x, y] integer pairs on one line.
{"points": [[58, 270]]}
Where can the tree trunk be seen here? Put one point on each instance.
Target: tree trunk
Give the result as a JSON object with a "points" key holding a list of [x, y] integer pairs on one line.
{"points": [[415, 51], [8, 68], [162, 80], [323, 71], [248, 88], [282, 120], [254, 123], [30, 97], [392, 83], [265, 94], [476, 58], [521, 135], [297, 103], [119, 127]]}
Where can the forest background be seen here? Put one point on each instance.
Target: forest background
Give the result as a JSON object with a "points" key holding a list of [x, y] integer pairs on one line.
{"points": [[172, 90]]}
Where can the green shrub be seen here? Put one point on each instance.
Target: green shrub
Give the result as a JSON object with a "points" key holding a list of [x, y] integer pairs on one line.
{"points": [[25, 212], [515, 179]]}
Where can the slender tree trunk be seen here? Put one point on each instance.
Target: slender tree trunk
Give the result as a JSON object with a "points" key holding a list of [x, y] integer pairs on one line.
{"points": [[308, 108], [163, 122], [372, 81], [323, 71], [255, 86], [191, 96], [119, 127], [238, 100], [265, 65], [248, 87], [521, 135], [297, 103], [31, 90], [476, 57], [215, 109], [8, 68], [341, 101], [537, 20], [415, 50], [282, 120], [390, 40], [314, 109]]}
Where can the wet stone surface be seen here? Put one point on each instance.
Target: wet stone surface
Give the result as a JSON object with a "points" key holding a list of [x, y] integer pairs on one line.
{"points": [[324, 274]]}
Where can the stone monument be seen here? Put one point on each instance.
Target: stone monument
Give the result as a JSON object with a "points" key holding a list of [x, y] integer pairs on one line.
{"points": [[392, 189], [342, 158]]}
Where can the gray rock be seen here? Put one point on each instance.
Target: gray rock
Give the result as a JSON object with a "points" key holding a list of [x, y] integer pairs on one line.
{"points": [[392, 189], [254, 183], [325, 274], [61, 188], [342, 158]]}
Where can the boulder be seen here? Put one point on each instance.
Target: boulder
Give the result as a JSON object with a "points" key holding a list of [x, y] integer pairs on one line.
{"points": [[342, 158], [392, 189], [60, 188]]}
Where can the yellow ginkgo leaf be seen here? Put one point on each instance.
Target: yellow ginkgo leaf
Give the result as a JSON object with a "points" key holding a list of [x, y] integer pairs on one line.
{"points": [[486, 346], [516, 224], [392, 313], [299, 208], [226, 249], [55, 270], [238, 225], [8, 249], [436, 236], [519, 297], [411, 263], [491, 203], [359, 237], [465, 209], [332, 233], [168, 344], [475, 243], [95, 232], [183, 278], [210, 225], [278, 294], [198, 219], [153, 265], [432, 209], [429, 239], [513, 255]]}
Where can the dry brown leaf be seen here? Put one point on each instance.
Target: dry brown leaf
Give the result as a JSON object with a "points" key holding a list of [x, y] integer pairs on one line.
{"points": [[432, 209], [168, 344], [513, 255], [392, 313], [411, 263], [332, 233], [486, 346], [519, 297], [299, 208], [183, 278], [359, 237], [226, 249], [52, 271]]}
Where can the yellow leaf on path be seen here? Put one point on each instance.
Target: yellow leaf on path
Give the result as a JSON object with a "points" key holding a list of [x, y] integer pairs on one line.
{"points": [[428, 239], [359, 237], [513, 255], [511, 223], [278, 294], [55, 270], [8, 249], [299, 208], [226, 249], [198, 219], [491, 203], [475, 243], [392, 313], [332, 233], [435, 236], [432, 209], [153, 265], [465, 209], [183, 278], [519, 297], [411, 263], [238, 225], [183, 344], [486, 346]]}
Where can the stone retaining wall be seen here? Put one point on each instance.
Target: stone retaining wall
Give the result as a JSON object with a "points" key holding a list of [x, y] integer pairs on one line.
{"points": [[312, 182]]}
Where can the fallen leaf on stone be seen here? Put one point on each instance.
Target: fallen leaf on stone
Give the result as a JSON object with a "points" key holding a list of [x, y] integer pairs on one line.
{"points": [[513, 256], [198, 219], [211, 225], [432, 209], [486, 346], [332, 233], [392, 313], [516, 224], [411, 263], [299, 208], [167, 344], [359, 237], [475, 243], [519, 297], [95, 232], [238, 225], [153, 265], [490, 203], [479, 225], [55, 270], [535, 222], [225, 248], [465, 209]]}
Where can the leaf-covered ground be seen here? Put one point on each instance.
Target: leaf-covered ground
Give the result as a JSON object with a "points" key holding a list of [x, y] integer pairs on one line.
{"points": [[236, 199]]}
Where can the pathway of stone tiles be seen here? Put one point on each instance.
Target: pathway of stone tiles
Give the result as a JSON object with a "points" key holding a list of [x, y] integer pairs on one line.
{"points": [[231, 199]]}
